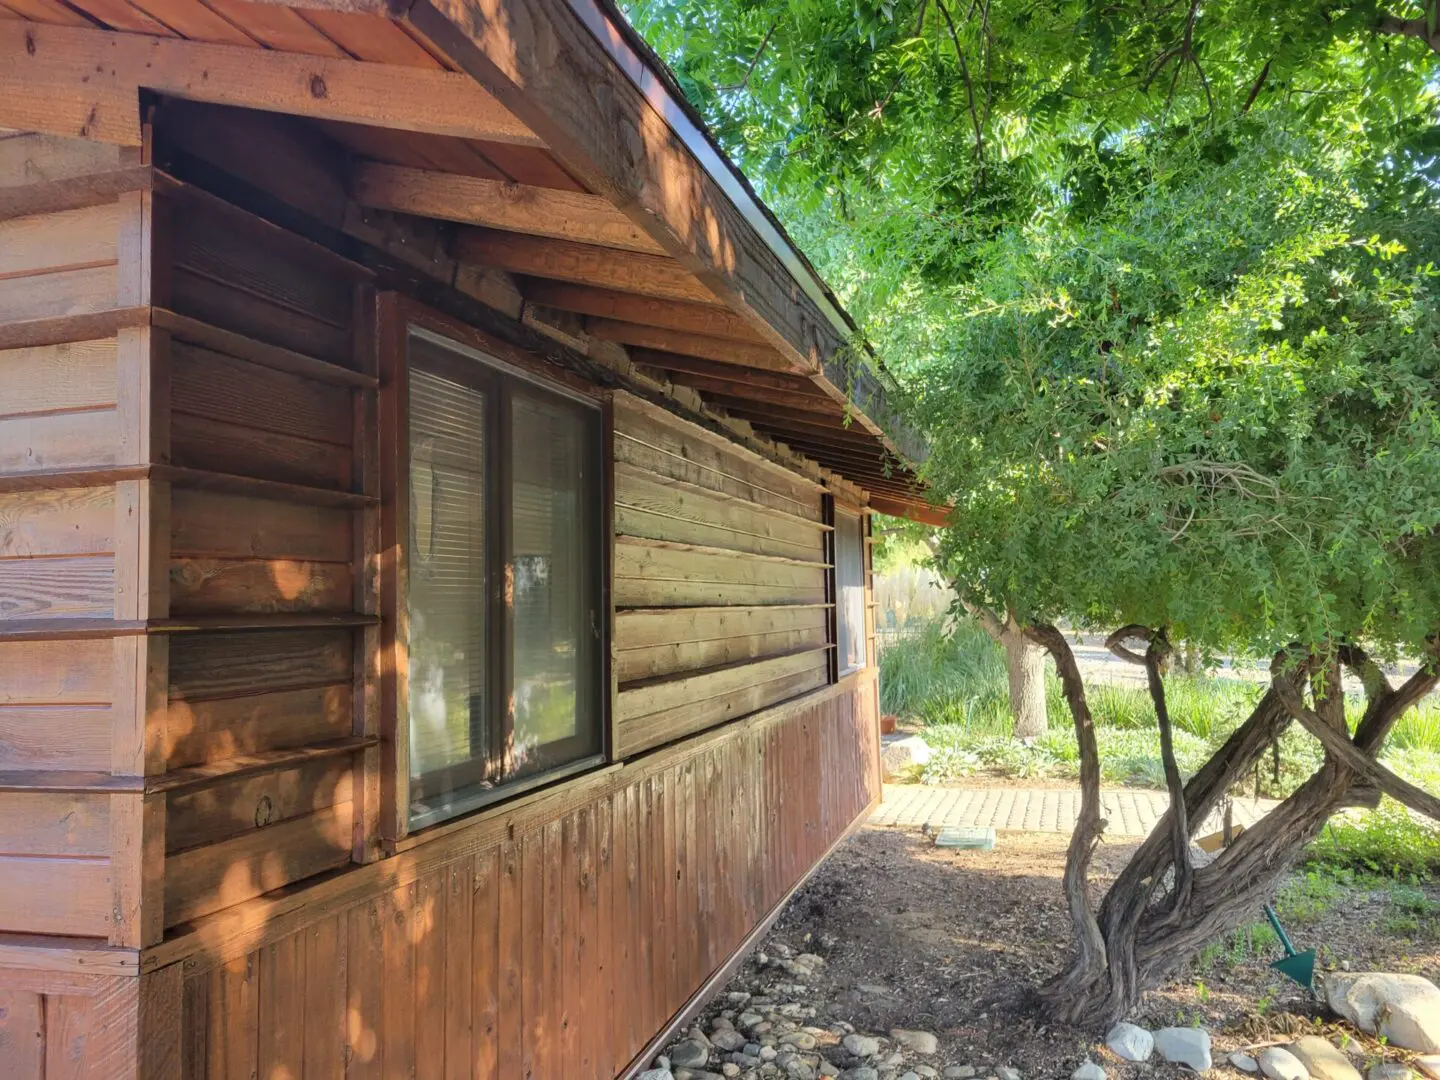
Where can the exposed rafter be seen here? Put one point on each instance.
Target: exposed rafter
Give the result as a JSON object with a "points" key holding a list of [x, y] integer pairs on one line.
{"points": [[471, 200], [584, 264], [711, 320], [720, 350]]}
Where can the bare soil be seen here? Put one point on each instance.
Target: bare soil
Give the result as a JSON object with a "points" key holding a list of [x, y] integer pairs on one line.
{"points": [[951, 942]]}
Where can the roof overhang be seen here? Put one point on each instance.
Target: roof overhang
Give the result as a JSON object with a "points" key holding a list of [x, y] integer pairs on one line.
{"points": [[674, 261]]}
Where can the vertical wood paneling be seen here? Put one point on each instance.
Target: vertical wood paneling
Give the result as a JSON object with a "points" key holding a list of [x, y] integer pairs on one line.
{"points": [[557, 952], [463, 962], [22, 1035], [510, 1007], [326, 977]]}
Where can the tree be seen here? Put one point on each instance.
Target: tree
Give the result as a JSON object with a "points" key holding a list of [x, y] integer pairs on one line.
{"points": [[1160, 283], [1211, 413]]}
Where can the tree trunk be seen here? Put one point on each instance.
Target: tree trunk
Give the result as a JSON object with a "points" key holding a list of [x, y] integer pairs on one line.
{"points": [[1025, 667], [1156, 914]]}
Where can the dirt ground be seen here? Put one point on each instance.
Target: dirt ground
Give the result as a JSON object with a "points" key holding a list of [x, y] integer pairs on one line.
{"points": [[950, 941]]}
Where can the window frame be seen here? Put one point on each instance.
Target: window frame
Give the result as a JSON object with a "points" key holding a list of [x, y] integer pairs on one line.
{"points": [[494, 367]]}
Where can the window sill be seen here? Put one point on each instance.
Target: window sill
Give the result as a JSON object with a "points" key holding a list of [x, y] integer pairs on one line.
{"points": [[434, 824]]}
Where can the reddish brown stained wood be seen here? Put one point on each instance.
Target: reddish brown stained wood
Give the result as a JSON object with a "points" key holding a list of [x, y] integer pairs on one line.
{"points": [[510, 911], [121, 15], [219, 447], [478, 1032], [428, 934], [460, 953], [207, 879], [533, 946], [59, 441], [192, 19], [22, 1034], [370, 37], [538, 211], [397, 1003], [582, 264], [548, 1052], [206, 666], [365, 977], [217, 524], [280, 998], [233, 1019], [573, 950], [326, 978], [222, 586]]}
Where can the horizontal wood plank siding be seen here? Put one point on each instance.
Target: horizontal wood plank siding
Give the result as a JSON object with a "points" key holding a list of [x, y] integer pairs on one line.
{"points": [[564, 933], [271, 370], [719, 579], [67, 705]]}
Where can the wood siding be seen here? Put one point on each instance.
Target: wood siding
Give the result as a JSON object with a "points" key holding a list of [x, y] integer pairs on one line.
{"points": [[190, 766], [551, 940], [719, 579], [74, 581], [266, 742]]}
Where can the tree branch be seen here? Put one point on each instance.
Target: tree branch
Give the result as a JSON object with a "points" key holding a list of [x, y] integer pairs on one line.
{"points": [[1416, 28], [1256, 86], [969, 86], [1088, 829], [754, 60], [1340, 748], [1116, 642]]}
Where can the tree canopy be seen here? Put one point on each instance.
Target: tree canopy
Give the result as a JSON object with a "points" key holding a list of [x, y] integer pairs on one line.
{"points": [[1159, 281]]}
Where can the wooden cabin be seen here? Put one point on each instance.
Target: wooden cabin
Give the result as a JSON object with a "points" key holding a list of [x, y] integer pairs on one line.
{"points": [[434, 547]]}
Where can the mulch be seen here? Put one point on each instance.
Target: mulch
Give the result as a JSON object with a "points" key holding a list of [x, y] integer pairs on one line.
{"points": [[952, 942]]}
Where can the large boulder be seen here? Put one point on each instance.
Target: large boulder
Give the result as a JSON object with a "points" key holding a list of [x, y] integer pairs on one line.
{"points": [[1403, 1009], [1184, 1046], [1322, 1060]]}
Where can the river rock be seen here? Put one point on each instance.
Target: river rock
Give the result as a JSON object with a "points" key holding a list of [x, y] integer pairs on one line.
{"points": [[1405, 1009], [689, 1054], [862, 1046], [1130, 1042], [655, 1074], [917, 1042], [1088, 1071], [1279, 1064], [1390, 1070], [1429, 1065], [860, 1072], [1322, 1060], [728, 1039], [1245, 1063], [1184, 1046], [1005, 1072], [958, 1072]]}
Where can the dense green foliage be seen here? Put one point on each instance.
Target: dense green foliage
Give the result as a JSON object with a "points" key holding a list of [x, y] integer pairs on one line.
{"points": [[1159, 281]]}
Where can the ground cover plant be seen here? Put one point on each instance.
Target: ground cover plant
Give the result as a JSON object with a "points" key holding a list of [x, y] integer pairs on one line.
{"points": [[947, 678]]}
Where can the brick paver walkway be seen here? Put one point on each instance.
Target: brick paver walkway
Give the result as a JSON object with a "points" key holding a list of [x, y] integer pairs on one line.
{"points": [[1130, 812]]}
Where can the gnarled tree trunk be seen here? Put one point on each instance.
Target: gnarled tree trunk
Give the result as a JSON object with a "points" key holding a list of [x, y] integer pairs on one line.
{"points": [[1160, 910]]}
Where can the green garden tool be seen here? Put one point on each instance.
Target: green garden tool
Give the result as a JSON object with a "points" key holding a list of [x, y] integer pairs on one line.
{"points": [[1296, 966]]}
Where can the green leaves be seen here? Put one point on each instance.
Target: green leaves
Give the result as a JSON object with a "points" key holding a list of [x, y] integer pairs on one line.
{"points": [[1172, 330]]}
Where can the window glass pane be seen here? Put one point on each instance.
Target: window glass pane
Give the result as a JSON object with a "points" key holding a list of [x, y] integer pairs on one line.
{"points": [[450, 723], [503, 556], [850, 590], [553, 538]]}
